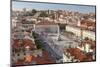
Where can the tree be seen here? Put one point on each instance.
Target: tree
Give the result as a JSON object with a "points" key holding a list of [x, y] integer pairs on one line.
{"points": [[43, 14], [33, 11]]}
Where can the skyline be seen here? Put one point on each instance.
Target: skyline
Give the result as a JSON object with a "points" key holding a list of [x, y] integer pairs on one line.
{"points": [[17, 5]]}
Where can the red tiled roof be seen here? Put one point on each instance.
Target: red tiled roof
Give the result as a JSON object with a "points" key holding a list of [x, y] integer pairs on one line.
{"points": [[45, 59], [25, 42], [41, 60], [16, 44], [45, 54], [87, 23], [38, 60], [20, 62], [28, 58], [76, 53]]}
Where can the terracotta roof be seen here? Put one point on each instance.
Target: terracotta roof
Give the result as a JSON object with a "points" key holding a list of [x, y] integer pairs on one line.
{"points": [[45, 59], [16, 44], [88, 57], [28, 58], [38, 60], [87, 23], [45, 54], [20, 62], [25, 42], [76, 53]]}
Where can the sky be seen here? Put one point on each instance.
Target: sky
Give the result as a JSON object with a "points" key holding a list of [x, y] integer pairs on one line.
{"points": [[16, 5]]}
